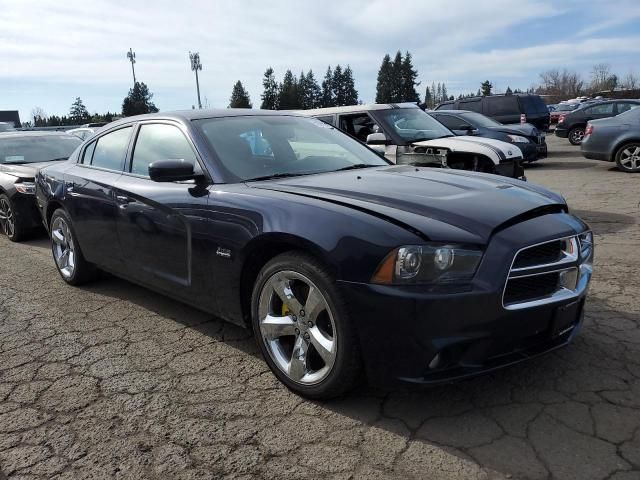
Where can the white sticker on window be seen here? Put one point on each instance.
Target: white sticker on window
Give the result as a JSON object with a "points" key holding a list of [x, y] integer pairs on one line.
{"points": [[14, 158]]}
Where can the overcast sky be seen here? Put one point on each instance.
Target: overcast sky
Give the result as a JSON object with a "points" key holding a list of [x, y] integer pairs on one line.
{"points": [[54, 50]]}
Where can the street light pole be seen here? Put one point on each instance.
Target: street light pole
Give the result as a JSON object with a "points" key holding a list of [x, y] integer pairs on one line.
{"points": [[195, 66], [131, 55]]}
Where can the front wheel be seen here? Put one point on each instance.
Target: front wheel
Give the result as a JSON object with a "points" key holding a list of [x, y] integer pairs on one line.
{"points": [[10, 223], [628, 158], [70, 262], [576, 135], [303, 329]]}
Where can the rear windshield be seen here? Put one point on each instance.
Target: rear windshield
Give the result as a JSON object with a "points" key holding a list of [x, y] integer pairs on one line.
{"points": [[533, 104], [479, 120], [412, 124], [34, 149]]}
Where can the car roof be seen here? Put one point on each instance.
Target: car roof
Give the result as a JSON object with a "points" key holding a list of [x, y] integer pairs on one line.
{"points": [[32, 133], [356, 108]]}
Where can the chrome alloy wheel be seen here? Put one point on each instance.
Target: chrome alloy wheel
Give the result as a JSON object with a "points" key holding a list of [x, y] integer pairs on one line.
{"points": [[7, 220], [577, 135], [297, 327], [630, 157], [63, 248]]}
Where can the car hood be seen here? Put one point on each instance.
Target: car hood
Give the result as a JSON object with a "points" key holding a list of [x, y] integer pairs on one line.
{"points": [[25, 170], [525, 129], [497, 150], [423, 199]]}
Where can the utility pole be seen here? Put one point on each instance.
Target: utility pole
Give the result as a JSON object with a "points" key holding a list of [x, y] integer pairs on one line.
{"points": [[131, 55], [195, 66]]}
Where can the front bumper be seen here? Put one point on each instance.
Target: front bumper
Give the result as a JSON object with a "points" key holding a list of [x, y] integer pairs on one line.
{"points": [[511, 168], [562, 131], [26, 210], [533, 151], [409, 334]]}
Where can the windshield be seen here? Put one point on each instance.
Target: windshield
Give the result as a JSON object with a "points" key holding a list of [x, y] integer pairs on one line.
{"points": [[258, 147], [479, 120], [34, 149], [412, 124]]}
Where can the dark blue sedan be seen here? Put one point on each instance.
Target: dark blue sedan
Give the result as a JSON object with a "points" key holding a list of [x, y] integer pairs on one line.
{"points": [[339, 261]]}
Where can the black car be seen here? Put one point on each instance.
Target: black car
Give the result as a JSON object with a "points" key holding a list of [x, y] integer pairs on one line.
{"points": [[335, 257], [530, 140], [615, 139], [572, 125], [21, 155], [513, 108]]}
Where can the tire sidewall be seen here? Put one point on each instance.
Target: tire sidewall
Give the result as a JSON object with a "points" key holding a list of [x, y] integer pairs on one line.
{"points": [[332, 385], [621, 167], [80, 271]]}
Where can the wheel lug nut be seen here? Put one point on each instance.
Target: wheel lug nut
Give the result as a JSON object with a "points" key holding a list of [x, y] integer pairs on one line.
{"points": [[310, 324], [294, 318], [302, 313], [297, 331], [306, 336]]}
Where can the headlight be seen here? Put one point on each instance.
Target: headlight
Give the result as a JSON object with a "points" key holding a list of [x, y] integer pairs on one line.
{"points": [[28, 188], [429, 264], [518, 139], [586, 247]]}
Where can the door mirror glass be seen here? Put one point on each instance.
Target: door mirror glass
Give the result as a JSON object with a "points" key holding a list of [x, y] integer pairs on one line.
{"points": [[376, 139], [171, 171]]}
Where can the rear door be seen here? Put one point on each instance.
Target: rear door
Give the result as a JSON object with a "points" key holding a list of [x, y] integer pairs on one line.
{"points": [[504, 109], [90, 197], [603, 110], [158, 223]]}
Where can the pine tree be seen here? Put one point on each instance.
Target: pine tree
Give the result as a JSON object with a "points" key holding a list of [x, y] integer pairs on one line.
{"points": [[289, 98], [445, 95], [314, 94], [349, 87], [270, 93], [328, 99], [486, 87], [509, 91], [396, 78], [239, 97], [138, 101], [78, 112], [479, 93], [409, 84], [428, 99], [439, 93], [337, 84], [383, 87], [302, 91]]}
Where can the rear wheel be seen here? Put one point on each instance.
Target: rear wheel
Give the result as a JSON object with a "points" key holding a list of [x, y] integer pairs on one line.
{"points": [[576, 135], [10, 223], [628, 157], [303, 329], [70, 262]]}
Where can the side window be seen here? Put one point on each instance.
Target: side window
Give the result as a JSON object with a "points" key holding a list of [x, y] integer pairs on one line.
{"points": [[602, 109], [506, 105], [626, 106], [111, 150], [88, 153], [326, 119], [449, 121], [159, 141], [472, 105], [360, 125]]}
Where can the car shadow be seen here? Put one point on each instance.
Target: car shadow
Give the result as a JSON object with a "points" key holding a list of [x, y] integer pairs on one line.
{"points": [[468, 423], [606, 222], [547, 164]]}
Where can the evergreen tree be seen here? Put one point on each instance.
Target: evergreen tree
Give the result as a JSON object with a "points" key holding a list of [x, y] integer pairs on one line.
{"points": [[78, 112], [270, 93], [314, 93], [349, 87], [328, 99], [239, 97], [138, 101], [445, 95], [439, 93], [409, 84], [302, 91], [383, 87], [289, 99], [337, 86], [396, 78], [428, 99], [479, 93], [486, 87], [509, 91]]}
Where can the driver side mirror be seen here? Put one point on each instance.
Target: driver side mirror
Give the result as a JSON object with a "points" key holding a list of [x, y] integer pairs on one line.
{"points": [[466, 127], [376, 139], [171, 171]]}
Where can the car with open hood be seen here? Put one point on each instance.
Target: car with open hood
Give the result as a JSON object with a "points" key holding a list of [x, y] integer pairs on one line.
{"points": [[405, 134], [22, 153], [339, 260]]}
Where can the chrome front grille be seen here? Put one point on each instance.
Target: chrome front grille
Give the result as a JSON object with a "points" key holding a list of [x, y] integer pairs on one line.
{"points": [[549, 272]]}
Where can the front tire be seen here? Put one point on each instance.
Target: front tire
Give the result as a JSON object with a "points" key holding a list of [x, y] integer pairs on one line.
{"points": [[302, 327], [576, 135], [10, 223], [70, 262], [628, 158]]}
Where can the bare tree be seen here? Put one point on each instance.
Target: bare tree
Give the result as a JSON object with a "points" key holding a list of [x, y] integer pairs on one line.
{"points": [[602, 79], [38, 112], [561, 83], [631, 80]]}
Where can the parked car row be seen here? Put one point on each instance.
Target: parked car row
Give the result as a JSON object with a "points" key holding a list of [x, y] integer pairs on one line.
{"points": [[286, 225]]}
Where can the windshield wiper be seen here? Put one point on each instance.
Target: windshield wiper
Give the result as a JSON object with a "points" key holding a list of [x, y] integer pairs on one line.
{"points": [[277, 175], [355, 167]]}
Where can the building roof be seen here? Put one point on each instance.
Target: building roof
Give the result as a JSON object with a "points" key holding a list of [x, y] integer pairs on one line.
{"points": [[10, 116]]}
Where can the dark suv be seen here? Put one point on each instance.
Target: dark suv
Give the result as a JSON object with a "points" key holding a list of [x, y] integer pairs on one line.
{"points": [[573, 124], [514, 108]]}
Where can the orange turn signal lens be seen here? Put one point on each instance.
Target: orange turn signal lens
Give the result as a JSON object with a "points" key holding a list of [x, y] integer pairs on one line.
{"points": [[385, 271]]}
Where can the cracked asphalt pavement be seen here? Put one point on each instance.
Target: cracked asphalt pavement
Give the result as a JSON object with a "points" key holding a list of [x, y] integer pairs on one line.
{"points": [[114, 381]]}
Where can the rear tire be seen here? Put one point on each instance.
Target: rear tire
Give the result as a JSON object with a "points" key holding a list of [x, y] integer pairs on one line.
{"points": [[303, 329], [576, 135], [70, 263], [628, 157], [10, 223]]}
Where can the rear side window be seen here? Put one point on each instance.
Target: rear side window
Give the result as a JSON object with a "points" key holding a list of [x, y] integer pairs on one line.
{"points": [[472, 105], [326, 119], [602, 109], [533, 104], [88, 153], [160, 141], [506, 105], [449, 121], [447, 106], [626, 106], [111, 150]]}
